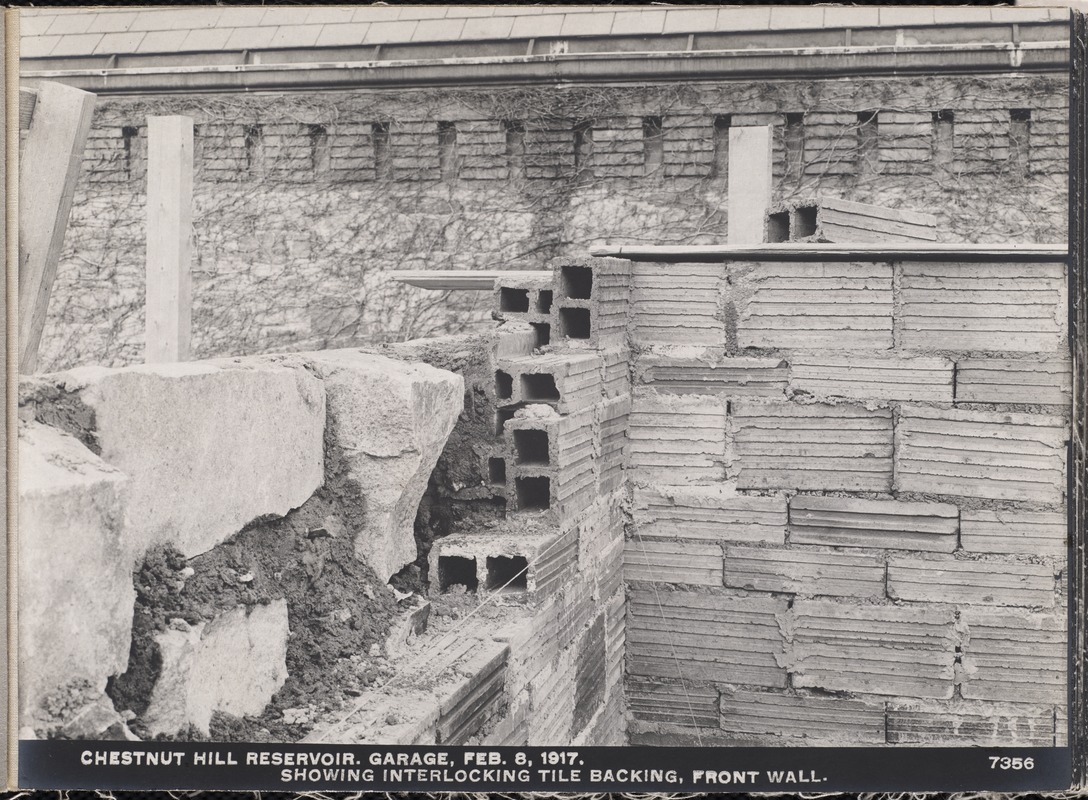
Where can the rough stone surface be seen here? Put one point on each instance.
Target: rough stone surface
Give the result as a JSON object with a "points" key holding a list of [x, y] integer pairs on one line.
{"points": [[388, 423], [208, 446], [233, 664], [76, 595], [295, 256]]}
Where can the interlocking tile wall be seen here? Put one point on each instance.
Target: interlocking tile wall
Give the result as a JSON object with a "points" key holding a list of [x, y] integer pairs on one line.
{"points": [[561, 424], [848, 513]]}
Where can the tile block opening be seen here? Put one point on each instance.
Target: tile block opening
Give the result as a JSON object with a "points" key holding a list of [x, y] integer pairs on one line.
{"points": [[539, 387], [544, 301], [504, 385], [576, 282], [507, 574], [516, 300], [543, 333], [531, 447], [457, 571], [778, 227], [502, 416], [496, 471], [574, 323], [806, 222], [534, 494]]}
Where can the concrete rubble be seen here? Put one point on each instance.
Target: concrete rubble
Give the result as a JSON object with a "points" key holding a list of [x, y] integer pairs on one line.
{"points": [[388, 423], [76, 603], [233, 664]]}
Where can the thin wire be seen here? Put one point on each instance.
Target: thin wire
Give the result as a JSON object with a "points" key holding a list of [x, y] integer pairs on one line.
{"points": [[433, 647], [668, 631]]}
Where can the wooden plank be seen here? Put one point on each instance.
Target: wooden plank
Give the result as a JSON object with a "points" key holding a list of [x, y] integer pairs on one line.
{"points": [[749, 191], [473, 280], [881, 212], [169, 238], [822, 251], [51, 160]]}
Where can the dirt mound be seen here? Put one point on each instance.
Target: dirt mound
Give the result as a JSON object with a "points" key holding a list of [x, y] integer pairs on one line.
{"points": [[339, 614]]}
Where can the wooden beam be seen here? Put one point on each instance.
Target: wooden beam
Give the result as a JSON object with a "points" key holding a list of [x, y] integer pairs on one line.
{"points": [[468, 279], [50, 164], [169, 239], [792, 251], [749, 193], [319, 68], [9, 333]]}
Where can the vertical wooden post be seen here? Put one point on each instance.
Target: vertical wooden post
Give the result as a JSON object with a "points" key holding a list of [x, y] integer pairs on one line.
{"points": [[169, 238], [49, 168], [749, 182], [9, 466]]}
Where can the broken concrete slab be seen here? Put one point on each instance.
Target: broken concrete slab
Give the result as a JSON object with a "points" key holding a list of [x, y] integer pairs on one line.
{"points": [[76, 560], [388, 421], [243, 437], [233, 664]]}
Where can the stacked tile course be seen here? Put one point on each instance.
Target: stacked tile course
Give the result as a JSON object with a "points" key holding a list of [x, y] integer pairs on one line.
{"points": [[848, 513], [561, 419]]}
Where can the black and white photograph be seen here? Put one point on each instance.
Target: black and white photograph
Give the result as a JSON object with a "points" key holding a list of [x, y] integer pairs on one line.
{"points": [[509, 376]]}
